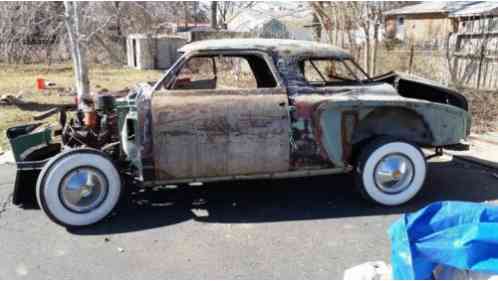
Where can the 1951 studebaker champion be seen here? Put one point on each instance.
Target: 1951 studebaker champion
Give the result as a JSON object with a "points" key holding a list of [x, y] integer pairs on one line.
{"points": [[237, 109]]}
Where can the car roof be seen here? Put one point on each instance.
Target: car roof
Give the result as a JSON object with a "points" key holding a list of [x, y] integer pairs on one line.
{"points": [[280, 47]]}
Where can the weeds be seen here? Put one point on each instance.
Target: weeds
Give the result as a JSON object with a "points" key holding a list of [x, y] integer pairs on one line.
{"points": [[484, 110]]}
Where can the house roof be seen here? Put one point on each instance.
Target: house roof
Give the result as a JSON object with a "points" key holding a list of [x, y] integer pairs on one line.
{"points": [[293, 15], [282, 47], [453, 8], [261, 12], [478, 9]]}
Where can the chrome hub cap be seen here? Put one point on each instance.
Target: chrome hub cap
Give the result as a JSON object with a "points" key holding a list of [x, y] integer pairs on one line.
{"points": [[394, 173], [83, 189]]}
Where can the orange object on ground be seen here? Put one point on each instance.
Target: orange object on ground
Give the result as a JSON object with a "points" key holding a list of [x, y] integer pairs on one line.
{"points": [[40, 84]]}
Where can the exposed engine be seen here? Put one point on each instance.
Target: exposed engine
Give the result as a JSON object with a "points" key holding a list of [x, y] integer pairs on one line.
{"points": [[103, 135]]}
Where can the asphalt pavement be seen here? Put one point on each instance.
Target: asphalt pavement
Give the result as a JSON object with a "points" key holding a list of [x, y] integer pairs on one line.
{"points": [[312, 228]]}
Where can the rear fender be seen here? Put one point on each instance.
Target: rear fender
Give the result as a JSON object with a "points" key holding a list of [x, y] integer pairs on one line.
{"points": [[344, 124]]}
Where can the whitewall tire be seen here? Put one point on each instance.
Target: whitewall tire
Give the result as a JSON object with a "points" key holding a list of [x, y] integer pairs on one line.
{"points": [[78, 187], [390, 172]]}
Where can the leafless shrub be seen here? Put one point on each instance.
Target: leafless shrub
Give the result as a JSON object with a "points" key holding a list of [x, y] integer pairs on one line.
{"points": [[484, 110], [34, 32], [29, 30]]}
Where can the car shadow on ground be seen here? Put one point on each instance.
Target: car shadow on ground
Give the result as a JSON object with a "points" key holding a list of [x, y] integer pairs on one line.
{"points": [[286, 200]]}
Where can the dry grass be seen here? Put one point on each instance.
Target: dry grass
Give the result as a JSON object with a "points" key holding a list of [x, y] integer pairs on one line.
{"points": [[428, 64], [484, 110], [20, 79]]}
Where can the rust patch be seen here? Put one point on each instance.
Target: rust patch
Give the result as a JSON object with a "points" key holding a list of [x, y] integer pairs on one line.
{"points": [[349, 121], [204, 135], [318, 131], [306, 150]]}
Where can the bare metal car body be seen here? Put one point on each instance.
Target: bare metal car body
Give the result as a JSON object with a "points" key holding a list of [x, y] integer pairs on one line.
{"points": [[286, 127], [291, 129]]}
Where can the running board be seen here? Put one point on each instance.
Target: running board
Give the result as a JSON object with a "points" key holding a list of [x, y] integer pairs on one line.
{"points": [[279, 175]]}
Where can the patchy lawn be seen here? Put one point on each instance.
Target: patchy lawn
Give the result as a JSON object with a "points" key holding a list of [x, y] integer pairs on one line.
{"points": [[20, 80]]}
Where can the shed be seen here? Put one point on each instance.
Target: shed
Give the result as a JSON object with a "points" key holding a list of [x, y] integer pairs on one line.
{"points": [[145, 51]]}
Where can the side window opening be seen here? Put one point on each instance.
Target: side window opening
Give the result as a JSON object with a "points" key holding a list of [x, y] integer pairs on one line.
{"points": [[196, 73], [224, 72], [331, 71], [234, 73]]}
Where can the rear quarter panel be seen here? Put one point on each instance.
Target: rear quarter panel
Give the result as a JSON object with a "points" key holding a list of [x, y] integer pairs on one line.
{"points": [[340, 116]]}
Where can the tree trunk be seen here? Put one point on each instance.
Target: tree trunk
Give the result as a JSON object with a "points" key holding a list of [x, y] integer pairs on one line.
{"points": [[119, 31], [72, 20], [317, 28], [214, 15], [366, 59], [323, 19], [375, 49]]}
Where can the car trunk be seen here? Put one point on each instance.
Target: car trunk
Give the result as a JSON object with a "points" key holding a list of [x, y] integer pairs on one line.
{"points": [[419, 88]]}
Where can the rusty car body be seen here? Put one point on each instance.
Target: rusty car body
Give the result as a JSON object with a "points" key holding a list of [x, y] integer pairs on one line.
{"points": [[181, 130]]}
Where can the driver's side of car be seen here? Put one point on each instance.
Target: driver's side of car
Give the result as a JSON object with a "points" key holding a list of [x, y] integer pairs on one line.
{"points": [[224, 114]]}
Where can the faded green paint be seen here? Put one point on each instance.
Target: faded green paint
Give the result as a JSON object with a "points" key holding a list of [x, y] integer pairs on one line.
{"points": [[22, 145], [127, 112], [445, 124]]}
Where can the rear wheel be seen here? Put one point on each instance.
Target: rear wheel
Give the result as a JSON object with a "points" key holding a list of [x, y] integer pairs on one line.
{"points": [[79, 187], [390, 172]]}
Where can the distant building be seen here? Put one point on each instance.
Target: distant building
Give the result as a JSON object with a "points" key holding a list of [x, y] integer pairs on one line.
{"points": [[285, 20], [430, 23], [182, 27], [152, 51]]}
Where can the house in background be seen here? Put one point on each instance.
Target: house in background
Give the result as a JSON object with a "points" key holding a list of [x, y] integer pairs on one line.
{"points": [[470, 27], [285, 20], [430, 23]]}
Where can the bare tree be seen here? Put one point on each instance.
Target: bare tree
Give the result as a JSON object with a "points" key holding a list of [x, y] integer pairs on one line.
{"points": [[343, 23], [229, 10], [34, 32], [30, 30], [72, 20]]}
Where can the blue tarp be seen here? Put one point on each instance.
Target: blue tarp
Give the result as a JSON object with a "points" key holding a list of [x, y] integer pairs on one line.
{"points": [[457, 234]]}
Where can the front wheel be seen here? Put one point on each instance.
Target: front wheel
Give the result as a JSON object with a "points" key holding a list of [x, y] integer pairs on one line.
{"points": [[390, 172], [79, 187]]}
